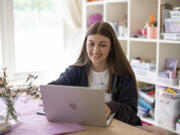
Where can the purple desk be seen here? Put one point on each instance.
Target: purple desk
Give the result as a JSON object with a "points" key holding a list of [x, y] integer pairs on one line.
{"points": [[33, 124]]}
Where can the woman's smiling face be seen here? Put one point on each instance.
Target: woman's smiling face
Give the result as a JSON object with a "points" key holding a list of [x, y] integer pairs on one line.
{"points": [[98, 48]]}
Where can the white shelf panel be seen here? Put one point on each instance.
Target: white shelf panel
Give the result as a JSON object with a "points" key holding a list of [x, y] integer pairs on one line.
{"points": [[170, 86], [154, 81], [169, 41], [148, 120], [146, 79], [172, 131], [143, 0], [152, 121], [123, 38], [95, 3], [115, 1], [143, 40]]}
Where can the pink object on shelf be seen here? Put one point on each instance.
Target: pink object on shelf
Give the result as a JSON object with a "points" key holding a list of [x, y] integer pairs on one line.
{"points": [[152, 32], [94, 18], [146, 123]]}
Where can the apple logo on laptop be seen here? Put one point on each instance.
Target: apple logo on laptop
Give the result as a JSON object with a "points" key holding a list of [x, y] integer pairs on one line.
{"points": [[73, 106]]}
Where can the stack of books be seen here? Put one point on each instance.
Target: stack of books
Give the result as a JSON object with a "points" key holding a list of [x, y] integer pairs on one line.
{"points": [[146, 101]]}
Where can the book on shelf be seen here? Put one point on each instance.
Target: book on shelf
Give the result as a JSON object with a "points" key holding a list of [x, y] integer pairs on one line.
{"points": [[144, 109], [164, 93], [148, 98], [151, 113], [142, 114], [144, 104]]}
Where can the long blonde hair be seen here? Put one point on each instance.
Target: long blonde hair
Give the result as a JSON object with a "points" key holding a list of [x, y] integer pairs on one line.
{"points": [[116, 60]]}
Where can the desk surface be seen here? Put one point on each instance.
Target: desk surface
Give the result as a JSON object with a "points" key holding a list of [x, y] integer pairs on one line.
{"points": [[115, 128], [31, 123]]}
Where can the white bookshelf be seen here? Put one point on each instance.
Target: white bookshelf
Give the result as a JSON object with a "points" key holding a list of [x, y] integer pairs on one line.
{"points": [[138, 12]]}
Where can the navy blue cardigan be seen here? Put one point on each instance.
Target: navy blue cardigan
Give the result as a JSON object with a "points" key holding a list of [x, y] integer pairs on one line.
{"points": [[124, 95]]}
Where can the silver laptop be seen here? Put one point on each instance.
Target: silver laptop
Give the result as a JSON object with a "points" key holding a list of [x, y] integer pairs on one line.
{"points": [[81, 105]]}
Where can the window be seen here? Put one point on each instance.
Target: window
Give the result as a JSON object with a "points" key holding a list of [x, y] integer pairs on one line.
{"points": [[37, 35], [0, 57]]}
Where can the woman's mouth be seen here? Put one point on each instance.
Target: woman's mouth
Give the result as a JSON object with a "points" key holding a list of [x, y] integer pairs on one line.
{"points": [[97, 56]]}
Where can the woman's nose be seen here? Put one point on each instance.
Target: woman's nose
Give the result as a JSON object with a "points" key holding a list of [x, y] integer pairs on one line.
{"points": [[96, 49]]}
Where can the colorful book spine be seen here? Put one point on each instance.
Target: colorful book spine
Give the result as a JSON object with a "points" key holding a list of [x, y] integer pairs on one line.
{"points": [[148, 98], [141, 108], [166, 94], [151, 92], [143, 103]]}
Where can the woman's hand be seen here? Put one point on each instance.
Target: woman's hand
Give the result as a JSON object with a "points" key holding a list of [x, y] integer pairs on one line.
{"points": [[108, 110]]}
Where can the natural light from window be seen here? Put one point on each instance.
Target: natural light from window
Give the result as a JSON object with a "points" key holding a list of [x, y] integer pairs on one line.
{"points": [[38, 36], [0, 56]]}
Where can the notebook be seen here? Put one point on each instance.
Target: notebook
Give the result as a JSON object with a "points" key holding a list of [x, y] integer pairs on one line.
{"points": [[82, 105]]}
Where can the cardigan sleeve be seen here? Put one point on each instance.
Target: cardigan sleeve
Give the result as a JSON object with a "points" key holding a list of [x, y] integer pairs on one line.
{"points": [[125, 103], [68, 77]]}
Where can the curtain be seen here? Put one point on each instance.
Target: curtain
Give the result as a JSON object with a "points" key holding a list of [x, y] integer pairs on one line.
{"points": [[71, 11], [7, 37]]}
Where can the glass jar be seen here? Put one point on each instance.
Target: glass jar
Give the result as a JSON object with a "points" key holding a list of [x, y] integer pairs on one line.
{"points": [[8, 113]]}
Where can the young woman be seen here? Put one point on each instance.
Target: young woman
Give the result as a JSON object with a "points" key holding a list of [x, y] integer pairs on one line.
{"points": [[102, 64]]}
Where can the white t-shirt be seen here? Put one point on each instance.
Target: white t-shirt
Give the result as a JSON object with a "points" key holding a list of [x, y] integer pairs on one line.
{"points": [[100, 80]]}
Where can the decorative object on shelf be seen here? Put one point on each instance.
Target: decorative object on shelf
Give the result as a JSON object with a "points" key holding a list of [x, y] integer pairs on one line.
{"points": [[172, 25], [168, 74], [149, 30], [9, 95], [94, 18], [152, 32], [165, 8], [120, 26], [143, 64], [169, 69], [115, 26]]}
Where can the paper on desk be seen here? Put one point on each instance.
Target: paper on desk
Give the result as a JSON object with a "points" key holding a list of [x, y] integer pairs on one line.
{"points": [[62, 128]]}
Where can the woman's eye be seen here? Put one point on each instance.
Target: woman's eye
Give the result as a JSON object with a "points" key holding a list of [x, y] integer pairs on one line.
{"points": [[91, 44], [103, 45]]}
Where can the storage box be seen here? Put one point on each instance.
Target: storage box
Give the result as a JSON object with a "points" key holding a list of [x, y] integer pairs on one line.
{"points": [[137, 64], [167, 111], [168, 81], [171, 36], [172, 25]]}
